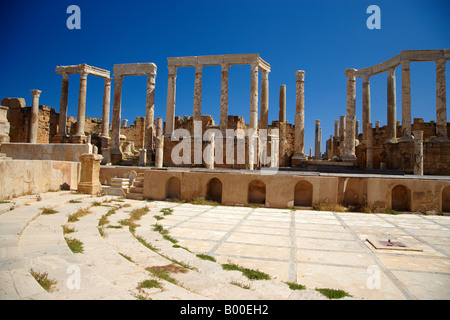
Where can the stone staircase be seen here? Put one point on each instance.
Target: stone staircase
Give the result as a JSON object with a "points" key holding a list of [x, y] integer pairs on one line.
{"points": [[137, 188], [116, 256]]}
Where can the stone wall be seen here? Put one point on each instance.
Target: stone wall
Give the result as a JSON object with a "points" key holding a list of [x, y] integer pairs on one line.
{"points": [[286, 190], [20, 177], [4, 125], [45, 151]]}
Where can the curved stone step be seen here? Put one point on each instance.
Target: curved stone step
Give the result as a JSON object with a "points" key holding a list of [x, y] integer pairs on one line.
{"points": [[44, 249]]}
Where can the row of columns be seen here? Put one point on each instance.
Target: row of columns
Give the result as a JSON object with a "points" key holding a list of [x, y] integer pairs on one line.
{"points": [[406, 134], [81, 113], [197, 112]]}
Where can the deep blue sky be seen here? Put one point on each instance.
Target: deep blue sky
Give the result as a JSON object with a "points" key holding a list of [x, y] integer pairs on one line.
{"points": [[321, 37]]}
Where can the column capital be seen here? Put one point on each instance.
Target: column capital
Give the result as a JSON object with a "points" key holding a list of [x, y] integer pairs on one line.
{"points": [[108, 81], [366, 78], [405, 64], [317, 121], [36, 93], [440, 63], [265, 75], [172, 70], [254, 66], [151, 77], [300, 75], [65, 76], [225, 67], [199, 68], [351, 74], [391, 72], [83, 75]]}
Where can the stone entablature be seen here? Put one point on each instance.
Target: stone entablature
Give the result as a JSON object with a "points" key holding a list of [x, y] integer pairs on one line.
{"points": [[225, 61], [84, 70], [133, 69]]}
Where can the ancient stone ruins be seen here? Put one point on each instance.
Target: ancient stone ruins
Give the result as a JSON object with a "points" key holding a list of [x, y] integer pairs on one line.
{"points": [[402, 166]]}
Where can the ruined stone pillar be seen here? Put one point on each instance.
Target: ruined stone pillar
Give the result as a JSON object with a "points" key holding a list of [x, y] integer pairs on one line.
{"points": [[34, 116], [149, 111], [90, 174], [254, 97], [106, 108], [264, 117], [299, 138], [116, 153], [369, 143], [62, 129], [418, 152], [391, 107], [349, 142], [209, 152], [441, 101], [336, 128], [81, 105], [318, 141], [356, 129], [197, 115], [170, 107], [224, 99], [159, 144], [282, 125], [4, 125], [365, 105], [406, 102]]}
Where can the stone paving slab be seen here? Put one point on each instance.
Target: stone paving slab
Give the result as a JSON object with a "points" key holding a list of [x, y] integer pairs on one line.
{"points": [[324, 249]]}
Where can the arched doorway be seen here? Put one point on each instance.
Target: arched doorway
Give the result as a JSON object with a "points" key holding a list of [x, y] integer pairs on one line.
{"points": [[446, 199], [401, 198], [303, 193], [173, 188], [256, 192], [214, 190]]}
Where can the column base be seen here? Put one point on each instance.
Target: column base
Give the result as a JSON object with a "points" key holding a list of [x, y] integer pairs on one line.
{"points": [[80, 139], [299, 158], [89, 188], [116, 157], [406, 138], [59, 139], [391, 140], [349, 157], [441, 139]]}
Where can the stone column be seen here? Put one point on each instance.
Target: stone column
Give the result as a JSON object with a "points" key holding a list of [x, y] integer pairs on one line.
{"points": [[349, 142], [224, 99], [81, 105], [209, 152], [441, 101], [365, 105], [369, 143], [318, 141], [336, 128], [264, 117], [116, 153], [90, 174], [170, 107], [149, 111], [299, 138], [34, 116], [356, 129], [197, 115], [62, 129], [159, 144], [4, 125], [282, 125], [106, 108], [406, 102], [418, 152], [391, 107], [254, 97]]}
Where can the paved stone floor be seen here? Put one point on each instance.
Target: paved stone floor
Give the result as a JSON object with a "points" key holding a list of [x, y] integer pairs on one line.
{"points": [[324, 249], [315, 249]]}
